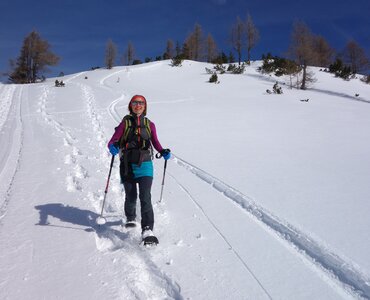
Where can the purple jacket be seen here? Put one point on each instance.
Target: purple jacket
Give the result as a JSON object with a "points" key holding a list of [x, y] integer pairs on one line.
{"points": [[120, 129]]}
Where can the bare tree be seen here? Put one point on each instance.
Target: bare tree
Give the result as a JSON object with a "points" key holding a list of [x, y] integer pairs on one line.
{"points": [[110, 54], [324, 53], [195, 43], [169, 50], [302, 49], [356, 57], [211, 48], [237, 37], [129, 55], [252, 36], [33, 60]]}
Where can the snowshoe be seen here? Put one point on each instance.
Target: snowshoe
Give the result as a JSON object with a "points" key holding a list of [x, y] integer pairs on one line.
{"points": [[130, 224], [148, 237], [150, 241]]}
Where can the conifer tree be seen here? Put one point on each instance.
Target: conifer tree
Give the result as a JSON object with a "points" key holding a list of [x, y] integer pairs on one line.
{"points": [[178, 49], [185, 52], [169, 50], [33, 60]]}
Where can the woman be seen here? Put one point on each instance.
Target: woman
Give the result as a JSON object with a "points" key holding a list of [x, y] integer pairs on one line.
{"points": [[133, 139]]}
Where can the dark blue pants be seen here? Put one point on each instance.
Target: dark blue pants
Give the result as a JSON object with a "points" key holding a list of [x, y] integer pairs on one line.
{"points": [[145, 186]]}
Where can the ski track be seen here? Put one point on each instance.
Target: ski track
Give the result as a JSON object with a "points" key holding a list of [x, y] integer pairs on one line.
{"points": [[6, 97], [73, 152], [112, 110], [349, 277], [14, 146], [104, 79], [223, 237]]}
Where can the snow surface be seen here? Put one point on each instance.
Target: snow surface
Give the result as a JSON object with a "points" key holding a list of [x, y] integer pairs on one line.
{"points": [[266, 197]]}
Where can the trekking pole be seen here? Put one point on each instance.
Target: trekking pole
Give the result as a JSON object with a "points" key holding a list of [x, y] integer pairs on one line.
{"points": [[101, 220], [164, 175]]}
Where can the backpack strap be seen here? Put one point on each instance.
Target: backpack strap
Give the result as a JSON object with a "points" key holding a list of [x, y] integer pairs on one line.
{"points": [[147, 125], [130, 131], [128, 125]]}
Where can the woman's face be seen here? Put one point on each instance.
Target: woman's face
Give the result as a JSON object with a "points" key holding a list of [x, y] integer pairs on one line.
{"points": [[138, 106]]}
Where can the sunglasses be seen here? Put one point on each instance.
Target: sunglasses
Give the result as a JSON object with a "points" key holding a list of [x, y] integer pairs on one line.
{"points": [[136, 103]]}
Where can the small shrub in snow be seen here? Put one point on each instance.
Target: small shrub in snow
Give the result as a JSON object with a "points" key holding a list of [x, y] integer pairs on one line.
{"points": [[279, 66], [366, 79], [277, 89], [214, 78], [220, 68], [176, 61], [209, 71], [231, 68], [340, 70], [59, 83], [239, 69]]}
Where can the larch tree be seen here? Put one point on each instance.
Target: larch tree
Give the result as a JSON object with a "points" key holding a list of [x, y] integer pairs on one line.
{"points": [[237, 37], [252, 36], [302, 49], [129, 55], [195, 43], [356, 57], [33, 60], [110, 54], [211, 48], [324, 52]]}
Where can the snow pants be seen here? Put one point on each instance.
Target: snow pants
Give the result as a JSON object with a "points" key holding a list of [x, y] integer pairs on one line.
{"points": [[145, 186]]}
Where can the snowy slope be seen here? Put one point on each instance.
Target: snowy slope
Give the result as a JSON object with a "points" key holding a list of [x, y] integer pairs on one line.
{"points": [[266, 196]]}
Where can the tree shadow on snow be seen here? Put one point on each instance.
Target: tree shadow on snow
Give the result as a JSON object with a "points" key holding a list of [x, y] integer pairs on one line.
{"points": [[80, 217]]}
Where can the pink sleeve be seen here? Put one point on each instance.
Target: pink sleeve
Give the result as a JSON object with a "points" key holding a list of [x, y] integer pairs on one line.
{"points": [[155, 142], [119, 130]]}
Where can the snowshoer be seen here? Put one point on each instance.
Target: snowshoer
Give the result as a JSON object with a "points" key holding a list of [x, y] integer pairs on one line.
{"points": [[133, 140]]}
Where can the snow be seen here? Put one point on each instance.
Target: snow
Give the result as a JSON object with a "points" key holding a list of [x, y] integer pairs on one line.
{"points": [[266, 196]]}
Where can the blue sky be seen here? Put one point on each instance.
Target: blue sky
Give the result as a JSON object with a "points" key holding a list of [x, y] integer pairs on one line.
{"points": [[79, 29]]}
